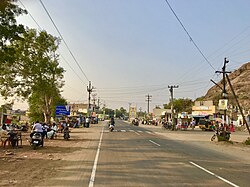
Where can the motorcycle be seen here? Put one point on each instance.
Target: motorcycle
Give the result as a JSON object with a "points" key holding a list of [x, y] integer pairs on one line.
{"points": [[66, 135], [36, 140], [111, 127], [221, 135]]}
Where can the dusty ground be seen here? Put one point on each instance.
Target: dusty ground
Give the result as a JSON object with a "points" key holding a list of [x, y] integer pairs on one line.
{"points": [[26, 167]]}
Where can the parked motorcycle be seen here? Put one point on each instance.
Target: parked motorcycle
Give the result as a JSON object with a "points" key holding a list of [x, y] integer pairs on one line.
{"points": [[36, 140]]}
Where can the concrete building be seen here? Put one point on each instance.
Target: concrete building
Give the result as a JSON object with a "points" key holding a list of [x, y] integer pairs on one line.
{"points": [[162, 113], [203, 109], [78, 108]]}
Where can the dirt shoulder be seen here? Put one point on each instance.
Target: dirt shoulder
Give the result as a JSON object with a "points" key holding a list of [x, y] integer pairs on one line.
{"points": [[26, 167]]}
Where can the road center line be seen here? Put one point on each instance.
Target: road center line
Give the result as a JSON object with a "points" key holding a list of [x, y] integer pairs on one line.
{"points": [[92, 178], [211, 173], [155, 143]]}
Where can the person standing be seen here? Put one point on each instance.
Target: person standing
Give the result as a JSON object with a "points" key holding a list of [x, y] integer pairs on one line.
{"points": [[87, 122], [193, 123], [45, 130], [84, 122]]}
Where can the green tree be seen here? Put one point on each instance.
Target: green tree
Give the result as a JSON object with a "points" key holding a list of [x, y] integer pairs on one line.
{"points": [[37, 106], [40, 71], [10, 32], [118, 113], [181, 105], [36, 72], [109, 112]]}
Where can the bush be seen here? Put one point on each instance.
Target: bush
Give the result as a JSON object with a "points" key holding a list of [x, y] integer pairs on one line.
{"points": [[247, 142], [222, 138]]}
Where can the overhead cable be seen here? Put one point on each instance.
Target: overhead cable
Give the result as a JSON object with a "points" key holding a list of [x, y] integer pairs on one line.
{"points": [[63, 40], [190, 38], [42, 29]]}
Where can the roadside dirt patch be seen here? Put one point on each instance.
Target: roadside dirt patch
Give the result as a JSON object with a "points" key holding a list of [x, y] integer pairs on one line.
{"points": [[27, 167]]}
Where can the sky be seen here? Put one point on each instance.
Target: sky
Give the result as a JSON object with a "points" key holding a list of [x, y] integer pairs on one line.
{"points": [[131, 48]]}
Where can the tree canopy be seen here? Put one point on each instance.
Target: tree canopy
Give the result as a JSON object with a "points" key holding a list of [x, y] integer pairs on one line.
{"points": [[181, 105], [29, 63]]}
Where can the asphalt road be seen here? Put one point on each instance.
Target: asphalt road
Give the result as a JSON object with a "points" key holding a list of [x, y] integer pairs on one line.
{"points": [[135, 156]]}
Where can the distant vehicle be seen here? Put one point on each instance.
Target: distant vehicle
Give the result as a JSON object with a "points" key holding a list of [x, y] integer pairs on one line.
{"points": [[206, 125], [135, 122]]}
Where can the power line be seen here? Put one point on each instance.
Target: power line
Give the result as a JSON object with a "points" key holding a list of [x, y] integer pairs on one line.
{"points": [[63, 40], [190, 38], [30, 15], [59, 53], [72, 69]]}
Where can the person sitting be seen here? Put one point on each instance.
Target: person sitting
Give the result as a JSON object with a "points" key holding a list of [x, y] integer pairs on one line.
{"points": [[4, 136]]}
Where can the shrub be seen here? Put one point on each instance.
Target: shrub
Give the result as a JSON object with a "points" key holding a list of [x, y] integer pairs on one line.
{"points": [[247, 142]]}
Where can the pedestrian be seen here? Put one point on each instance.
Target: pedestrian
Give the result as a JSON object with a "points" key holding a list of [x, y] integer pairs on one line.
{"points": [[87, 122], [232, 127], [45, 130], [193, 124]]}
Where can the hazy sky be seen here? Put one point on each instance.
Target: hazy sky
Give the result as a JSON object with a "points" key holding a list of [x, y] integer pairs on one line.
{"points": [[131, 48]]}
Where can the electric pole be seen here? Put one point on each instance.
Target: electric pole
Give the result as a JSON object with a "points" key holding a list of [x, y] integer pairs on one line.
{"points": [[224, 92], [94, 99], [171, 89], [98, 103], [148, 99], [244, 119], [89, 89]]}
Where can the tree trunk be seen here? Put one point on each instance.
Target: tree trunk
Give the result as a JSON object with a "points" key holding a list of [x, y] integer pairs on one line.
{"points": [[47, 110]]}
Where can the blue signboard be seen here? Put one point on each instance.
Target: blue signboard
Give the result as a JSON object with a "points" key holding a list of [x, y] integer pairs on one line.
{"points": [[63, 110]]}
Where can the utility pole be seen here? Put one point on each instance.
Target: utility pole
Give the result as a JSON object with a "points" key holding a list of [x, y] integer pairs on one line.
{"points": [[171, 89], [89, 89], [224, 92], [98, 103], [148, 99], [244, 119], [94, 99]]}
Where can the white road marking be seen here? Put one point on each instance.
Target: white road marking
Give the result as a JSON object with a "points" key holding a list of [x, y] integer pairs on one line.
{"points": [[211, 173], [149, 132], [155, 143], [123, 130], [131, 130], [139, 131], [136, 133], [92, 178]]}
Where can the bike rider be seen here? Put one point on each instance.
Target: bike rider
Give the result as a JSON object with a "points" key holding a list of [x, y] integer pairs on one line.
{"points": [[112, 123], [37, 127]]}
